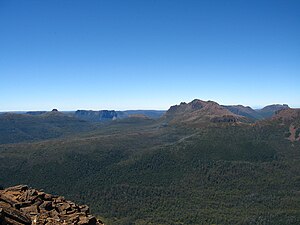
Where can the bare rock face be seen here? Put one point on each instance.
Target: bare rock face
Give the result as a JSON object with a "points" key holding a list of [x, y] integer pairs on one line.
{"points": [[21, 205]]}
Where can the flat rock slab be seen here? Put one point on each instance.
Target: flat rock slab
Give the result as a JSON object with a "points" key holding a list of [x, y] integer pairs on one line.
{"points": [[21, 205]]}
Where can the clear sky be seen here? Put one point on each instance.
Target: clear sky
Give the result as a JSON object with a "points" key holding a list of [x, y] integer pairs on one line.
{"points": [[147, 54]]}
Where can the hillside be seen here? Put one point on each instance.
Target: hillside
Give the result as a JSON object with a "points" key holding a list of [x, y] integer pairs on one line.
{"points": [[245, 111], [16, 128], [270, 110], [292, 117], [150, 173], [287, 115]]}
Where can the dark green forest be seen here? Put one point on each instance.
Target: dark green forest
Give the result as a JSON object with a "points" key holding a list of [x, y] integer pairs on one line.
{"points": [[146, 172]]}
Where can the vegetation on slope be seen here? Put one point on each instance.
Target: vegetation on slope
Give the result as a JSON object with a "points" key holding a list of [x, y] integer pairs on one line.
{"points": [[16, 128], [139, 172]]}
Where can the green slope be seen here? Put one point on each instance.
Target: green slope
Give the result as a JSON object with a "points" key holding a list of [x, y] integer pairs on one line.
{"points": [[144, 173], [16, 128]]}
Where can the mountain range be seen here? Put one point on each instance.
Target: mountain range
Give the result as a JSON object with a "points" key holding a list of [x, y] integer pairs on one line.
{"points": [[198, 163], [108, 115], [41, 125]]}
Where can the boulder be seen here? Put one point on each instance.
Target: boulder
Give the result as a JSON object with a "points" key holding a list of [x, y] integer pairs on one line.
{"points": [[21, 205]]}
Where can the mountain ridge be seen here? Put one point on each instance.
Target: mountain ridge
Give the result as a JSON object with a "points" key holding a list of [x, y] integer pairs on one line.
{"points": [[199, 111], [142, 171]]}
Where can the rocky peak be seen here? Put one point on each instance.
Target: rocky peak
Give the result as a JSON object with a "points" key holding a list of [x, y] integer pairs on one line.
{"points": [[183, 107], [21, 205], [198, 111]]}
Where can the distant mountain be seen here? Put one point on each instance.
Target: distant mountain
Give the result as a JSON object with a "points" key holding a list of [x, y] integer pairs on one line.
{"points": [[23, 127], [244, 111], [135, 171], [35, 113], [98, 116], [153, 114], [109, 115], [270, 110], [141, 173], [139, 116], [198, 111]]}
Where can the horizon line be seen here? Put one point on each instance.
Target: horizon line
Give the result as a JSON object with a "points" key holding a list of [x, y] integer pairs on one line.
{"points": [[129, 109]]}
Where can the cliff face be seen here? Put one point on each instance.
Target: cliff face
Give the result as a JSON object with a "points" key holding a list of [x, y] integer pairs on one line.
{"points": [[21, 205], [96, 116], [109, 115]]}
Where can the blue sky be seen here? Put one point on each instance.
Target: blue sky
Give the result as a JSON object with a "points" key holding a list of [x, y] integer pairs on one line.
{"points": [[147, 54]]}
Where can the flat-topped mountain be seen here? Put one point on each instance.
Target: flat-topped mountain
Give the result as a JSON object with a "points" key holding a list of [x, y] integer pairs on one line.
{"points": [[198, 111], [110, 115], [97, 116]]}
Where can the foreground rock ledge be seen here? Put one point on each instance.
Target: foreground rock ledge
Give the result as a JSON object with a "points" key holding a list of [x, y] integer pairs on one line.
{"points": [[21, 205]]}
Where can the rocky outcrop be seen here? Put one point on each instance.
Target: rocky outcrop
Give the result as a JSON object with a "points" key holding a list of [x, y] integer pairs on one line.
{"points": [[294, 133], [21, 205]]}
